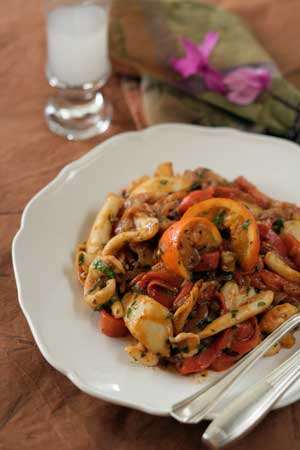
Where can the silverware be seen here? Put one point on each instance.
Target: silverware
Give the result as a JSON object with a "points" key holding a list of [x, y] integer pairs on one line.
{"points": [[194, 408], [249, 408]]}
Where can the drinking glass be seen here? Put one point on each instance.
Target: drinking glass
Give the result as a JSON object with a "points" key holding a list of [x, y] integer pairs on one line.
{"points": [[77, 67]]}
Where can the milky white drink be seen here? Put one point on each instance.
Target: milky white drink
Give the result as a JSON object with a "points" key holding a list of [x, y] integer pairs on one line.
{"points": [[77, 44]]}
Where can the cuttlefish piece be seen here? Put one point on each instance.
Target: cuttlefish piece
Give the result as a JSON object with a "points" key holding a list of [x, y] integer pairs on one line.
{"points": [[100, 283], [149, 322], [163, 185], [147, 227], [102, 227]]}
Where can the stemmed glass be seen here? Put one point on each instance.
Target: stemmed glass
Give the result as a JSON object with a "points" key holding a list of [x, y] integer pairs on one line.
{"points": [[77, 67]]}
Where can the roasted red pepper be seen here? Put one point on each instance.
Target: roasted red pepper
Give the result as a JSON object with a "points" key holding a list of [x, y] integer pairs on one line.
{"points": [[185, 290], [272, 238], [293, 248], [163, 286], [245, 336], [208, 261], [260, 198], [195, 197], [204, 359]]}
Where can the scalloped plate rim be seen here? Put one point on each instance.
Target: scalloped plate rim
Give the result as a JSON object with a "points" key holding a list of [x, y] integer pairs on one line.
{"points": [[61, 177]]}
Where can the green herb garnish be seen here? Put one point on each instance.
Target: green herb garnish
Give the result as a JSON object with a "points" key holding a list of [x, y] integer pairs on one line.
{"points": [[234, 313], [107, 270], [80, 259], [185, 349], [230, 352], [139, 290], [166, 291], [107, 304], [196, 185], [202, 347], [90, 291], [99, 284], [261, 304], [128, 313], [277, 225], [163, 181], [218, 220], [246, 224], [204, 322], [174, 351]]}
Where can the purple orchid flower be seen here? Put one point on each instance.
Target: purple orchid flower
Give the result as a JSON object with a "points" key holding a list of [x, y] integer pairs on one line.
{"points": [[196, 60], [240, 86], [244, 84]]}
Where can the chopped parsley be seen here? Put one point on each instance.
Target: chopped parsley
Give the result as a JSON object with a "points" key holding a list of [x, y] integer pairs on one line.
{"points": [[261, 304], [196, 185], [90, 291], [139, 290], [105, 269], [128, 313], [163, 181], [99, 308], [185, 349], [80, 259], [234, 313], [256, 290], [218, 220], [167, 291], [204, 322], [174, 351], [246, 224], [230, 352], [99, 284], [277, 225], [107, 304], [202, 347]]}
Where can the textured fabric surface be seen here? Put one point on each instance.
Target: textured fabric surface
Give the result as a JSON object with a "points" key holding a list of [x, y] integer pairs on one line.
{"points": [[40, 409]]}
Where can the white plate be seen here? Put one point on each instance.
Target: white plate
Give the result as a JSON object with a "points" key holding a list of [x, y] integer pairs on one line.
{"points": [[60, 216]]}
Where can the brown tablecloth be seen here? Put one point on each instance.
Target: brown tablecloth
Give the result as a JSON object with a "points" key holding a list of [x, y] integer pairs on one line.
{"points": [[39, 407]]}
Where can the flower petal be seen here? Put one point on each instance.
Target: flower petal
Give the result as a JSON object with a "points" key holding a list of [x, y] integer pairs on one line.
{"points": [[191, 62], [213, 79], [243, 97], [208, 44], [245, 84]]}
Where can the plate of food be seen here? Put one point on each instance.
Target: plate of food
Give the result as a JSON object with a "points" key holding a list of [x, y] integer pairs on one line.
{"points": [[152, 264]]}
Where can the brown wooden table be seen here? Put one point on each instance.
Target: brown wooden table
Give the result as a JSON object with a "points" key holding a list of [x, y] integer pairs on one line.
{"points": [[40, 409]]}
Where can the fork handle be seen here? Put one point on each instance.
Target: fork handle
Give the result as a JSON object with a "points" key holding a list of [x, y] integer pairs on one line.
{"points": [[245, 412]]}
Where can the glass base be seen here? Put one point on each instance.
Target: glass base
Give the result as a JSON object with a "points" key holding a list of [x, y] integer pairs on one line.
{"points": [[78, 119]]}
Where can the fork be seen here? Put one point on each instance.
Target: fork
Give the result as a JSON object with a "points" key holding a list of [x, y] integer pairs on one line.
{"points": [[194, 408], [249, 408]]}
